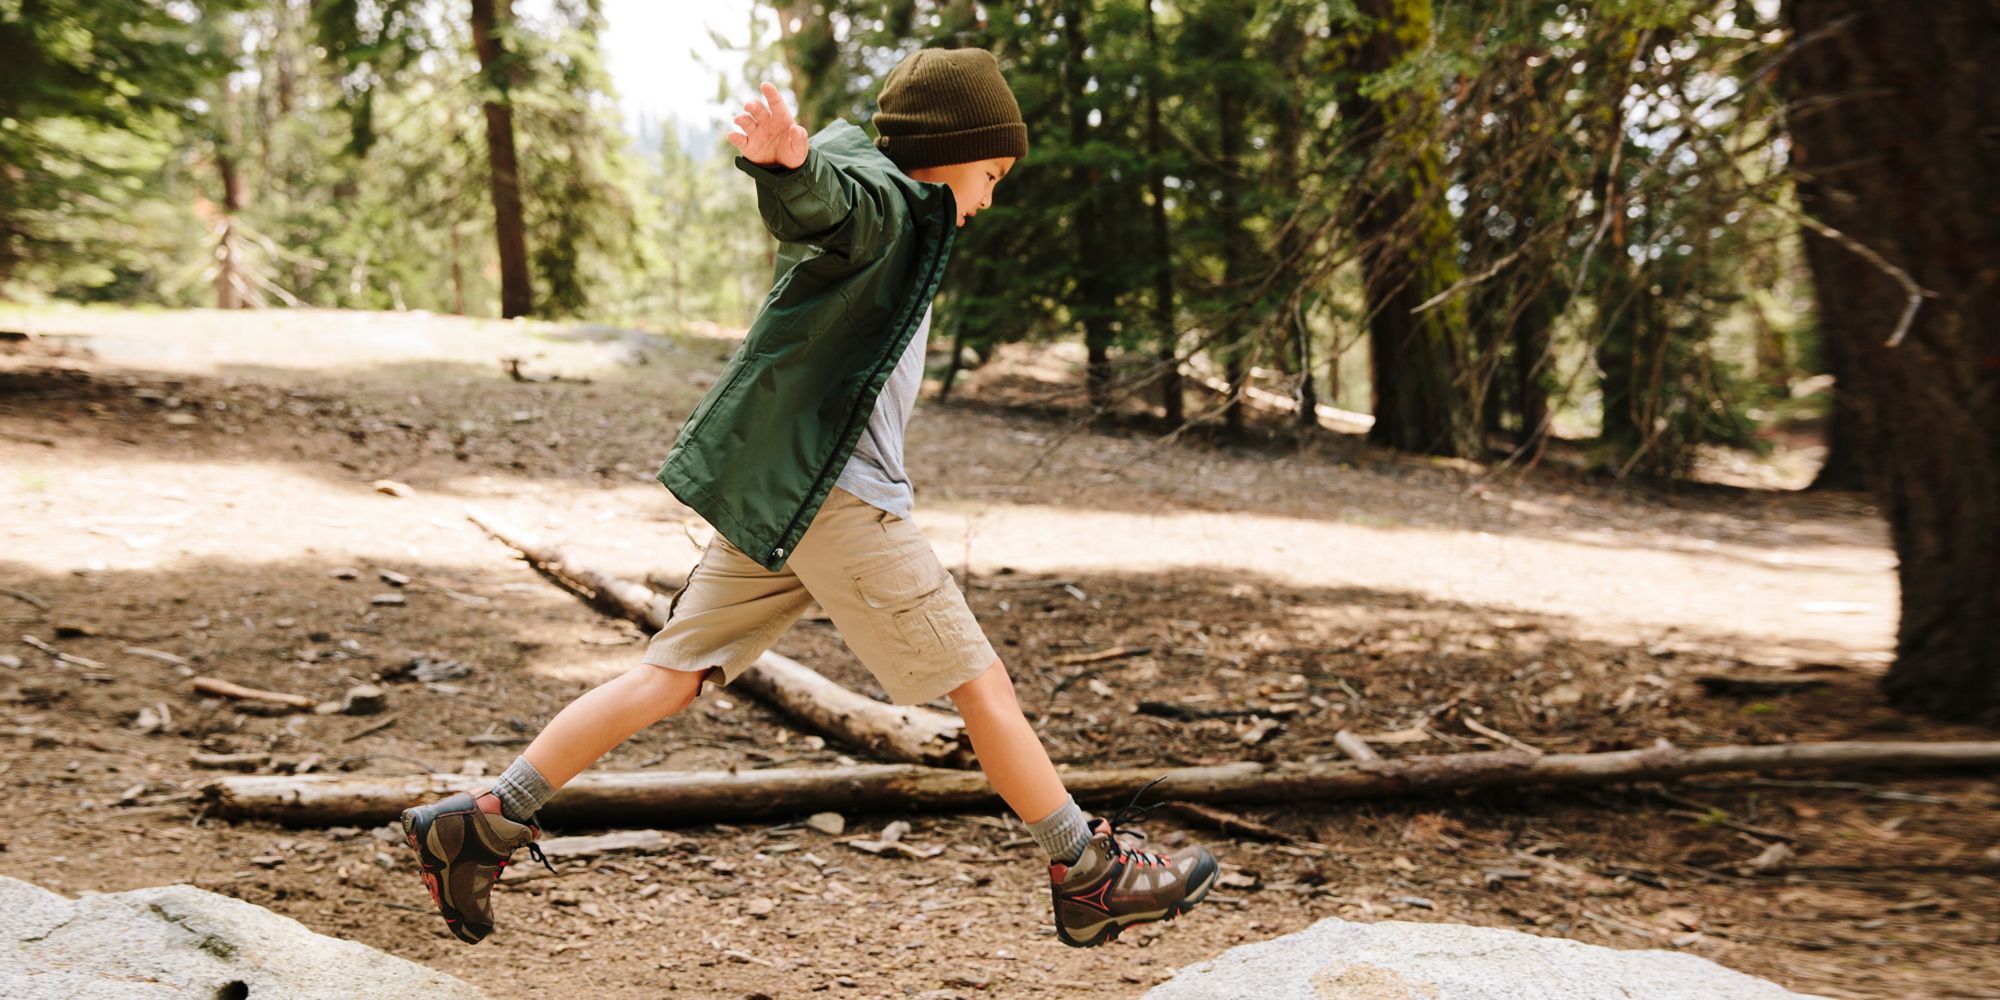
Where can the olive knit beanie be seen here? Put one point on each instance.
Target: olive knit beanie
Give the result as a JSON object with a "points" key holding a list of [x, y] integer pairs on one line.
{"points": [[942, 106]]}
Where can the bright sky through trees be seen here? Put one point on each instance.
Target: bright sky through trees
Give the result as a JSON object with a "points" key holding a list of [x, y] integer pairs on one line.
{"points": [[665, 62]]}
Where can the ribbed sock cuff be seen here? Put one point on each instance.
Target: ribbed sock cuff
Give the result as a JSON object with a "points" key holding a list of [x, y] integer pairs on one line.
{"points": [[522, 791], [1062, 833]]}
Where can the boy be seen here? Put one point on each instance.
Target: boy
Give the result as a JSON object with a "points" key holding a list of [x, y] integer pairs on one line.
{"points": [[795, 457]]}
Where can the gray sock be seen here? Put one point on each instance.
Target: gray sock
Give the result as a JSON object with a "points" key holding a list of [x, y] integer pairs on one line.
{"points": [[522, 791], [1062, 833]]}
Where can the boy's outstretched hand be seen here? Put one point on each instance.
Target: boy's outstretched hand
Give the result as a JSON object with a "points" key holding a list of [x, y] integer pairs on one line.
{"points": [[770, 137]]}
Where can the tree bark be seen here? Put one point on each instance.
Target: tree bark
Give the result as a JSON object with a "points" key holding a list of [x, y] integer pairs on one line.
{"points": [[1532, 334], [1409, 249], [1892, 135], [669, 797], [490, 21], [1092, 290], [1845, 467], [1163, 256], [913, 734], [229, 287], [1285, 45], [1235, 251]]}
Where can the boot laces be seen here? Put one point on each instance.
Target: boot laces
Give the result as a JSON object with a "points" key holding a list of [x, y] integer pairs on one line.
{"points": [[1137, 813], [535, 851]]}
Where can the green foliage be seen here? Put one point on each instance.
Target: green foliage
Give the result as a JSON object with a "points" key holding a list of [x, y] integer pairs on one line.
{"points": [[1585, 197], [93, 90]]}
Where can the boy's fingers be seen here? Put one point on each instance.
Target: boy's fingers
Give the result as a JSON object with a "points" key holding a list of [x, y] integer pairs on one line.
{"points": [[755, 109], [777, 100]]}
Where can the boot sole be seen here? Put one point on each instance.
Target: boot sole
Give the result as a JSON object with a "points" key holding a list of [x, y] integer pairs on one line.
{"points": [[416, 830]]}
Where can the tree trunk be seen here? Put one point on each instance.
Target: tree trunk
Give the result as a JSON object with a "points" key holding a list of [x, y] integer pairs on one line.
{"points": [[1409, 248], [1621, 309], [1893, 135], [1163, 256], [1092, 290], [1845, 467], [1235, 253], [229, 291], [457, 274], [1286, 46], [693, 797], [491, 20], [1532, 334]]}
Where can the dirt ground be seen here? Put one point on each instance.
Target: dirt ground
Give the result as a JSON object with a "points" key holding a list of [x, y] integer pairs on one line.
{"points": [[199, 485]]}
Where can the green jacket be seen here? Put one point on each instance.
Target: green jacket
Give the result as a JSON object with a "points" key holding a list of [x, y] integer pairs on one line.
{"points": [[862, 248]]}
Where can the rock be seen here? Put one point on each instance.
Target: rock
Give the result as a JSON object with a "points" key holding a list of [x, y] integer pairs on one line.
{"points": [[10, 661], [393, 488], [1404, 960], [427, 670], [180, 941], [361, 699], [830, 823], [388, 600], [393, 578], [344, 573]]}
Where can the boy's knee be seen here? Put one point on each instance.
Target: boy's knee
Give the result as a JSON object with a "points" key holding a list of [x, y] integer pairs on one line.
{"points": [[992, 683], [673, 690]]}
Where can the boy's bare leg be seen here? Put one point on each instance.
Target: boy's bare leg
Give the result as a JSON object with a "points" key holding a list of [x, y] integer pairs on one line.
{"points": [[602, 718], [1009, 751]]}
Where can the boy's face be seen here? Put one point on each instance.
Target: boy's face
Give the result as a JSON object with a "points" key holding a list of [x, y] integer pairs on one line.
{"points": [[971, 183]]}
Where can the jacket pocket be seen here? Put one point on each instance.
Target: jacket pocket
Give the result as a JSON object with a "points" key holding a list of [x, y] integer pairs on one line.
{"points": [[710, 402]]}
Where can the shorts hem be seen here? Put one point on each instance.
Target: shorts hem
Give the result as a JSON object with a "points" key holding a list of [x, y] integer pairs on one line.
{"points": [[940, 684]]}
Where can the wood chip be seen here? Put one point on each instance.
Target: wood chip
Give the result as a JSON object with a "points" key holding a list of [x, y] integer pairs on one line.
{"points": [[25, 598], [226, 689], [1114, 653], [1354, 746], [157, 654], [230, 761], [1228, 822], [1494, 734]]}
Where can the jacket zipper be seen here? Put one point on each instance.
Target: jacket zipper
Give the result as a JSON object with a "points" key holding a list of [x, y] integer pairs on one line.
{"points": [[929, 285]]}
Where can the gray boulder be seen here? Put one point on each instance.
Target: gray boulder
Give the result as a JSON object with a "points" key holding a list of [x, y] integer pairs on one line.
{"points": [[1337, 959], [179, 941]]}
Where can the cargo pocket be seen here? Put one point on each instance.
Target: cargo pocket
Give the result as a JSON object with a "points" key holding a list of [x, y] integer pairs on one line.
{"points": [[909, 591]]}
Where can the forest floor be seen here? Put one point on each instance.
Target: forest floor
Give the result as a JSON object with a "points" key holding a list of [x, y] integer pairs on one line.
{"points": [[197, 484]]}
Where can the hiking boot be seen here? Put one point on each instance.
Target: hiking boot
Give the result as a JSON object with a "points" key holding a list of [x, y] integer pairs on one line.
{"points": [[461, 851], [1111, 886]]}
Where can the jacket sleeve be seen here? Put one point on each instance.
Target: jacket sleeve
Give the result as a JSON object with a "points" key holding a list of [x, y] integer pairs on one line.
{"points": [[819, 204]]}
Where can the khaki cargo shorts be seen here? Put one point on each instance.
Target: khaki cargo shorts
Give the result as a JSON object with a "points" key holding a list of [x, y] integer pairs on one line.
{"points": [[878, 579]]}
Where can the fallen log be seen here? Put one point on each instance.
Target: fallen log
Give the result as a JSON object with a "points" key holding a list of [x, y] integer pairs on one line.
{"points": [[912, 734], [670, 797], [1331, 417]]}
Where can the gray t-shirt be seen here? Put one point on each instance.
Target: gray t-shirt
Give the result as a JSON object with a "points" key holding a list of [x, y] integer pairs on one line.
{"points": [[875, 471]]}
